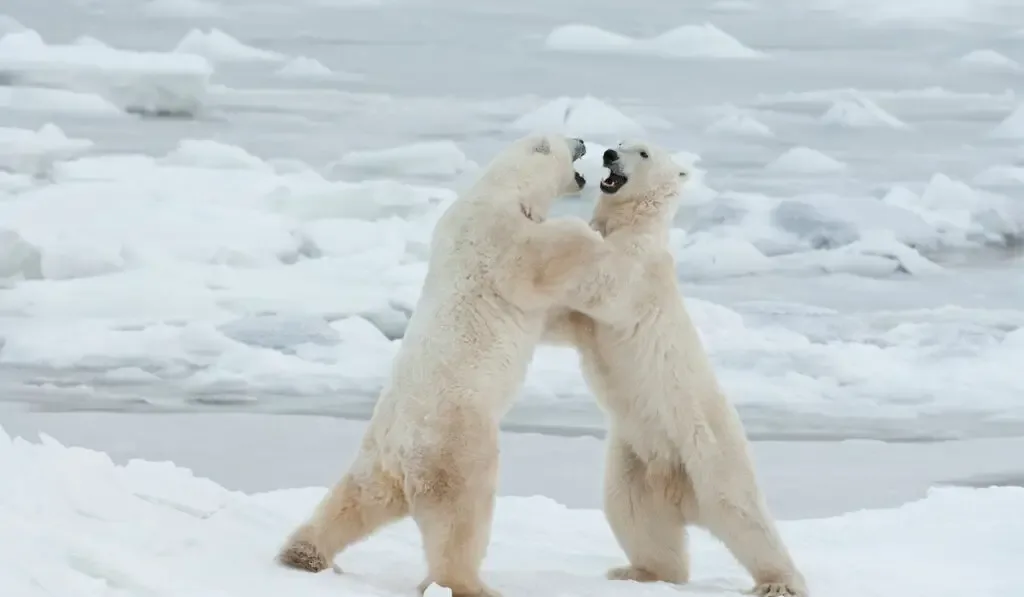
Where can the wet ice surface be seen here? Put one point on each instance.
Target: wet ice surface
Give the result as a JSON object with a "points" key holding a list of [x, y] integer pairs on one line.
{"points": [[239, 221]]}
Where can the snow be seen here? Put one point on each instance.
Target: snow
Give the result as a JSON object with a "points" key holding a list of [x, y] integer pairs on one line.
{"points": [[86, 524], [687, 41], [149, 82], [806, 160], [217, 46]]}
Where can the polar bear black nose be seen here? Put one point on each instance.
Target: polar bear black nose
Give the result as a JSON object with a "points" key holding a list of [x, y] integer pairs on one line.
{"points": [[610, 155]]}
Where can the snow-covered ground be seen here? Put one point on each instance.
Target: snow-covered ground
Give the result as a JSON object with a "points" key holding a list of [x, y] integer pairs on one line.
{"points": [[226, 204], [76, 523]]}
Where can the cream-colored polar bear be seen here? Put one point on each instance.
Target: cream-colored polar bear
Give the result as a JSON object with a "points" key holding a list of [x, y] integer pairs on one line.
{"points": [[677, 452], [496, 268]]}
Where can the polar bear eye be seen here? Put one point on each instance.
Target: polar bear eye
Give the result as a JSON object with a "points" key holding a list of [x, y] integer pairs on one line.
{"points": [[643, 154]]}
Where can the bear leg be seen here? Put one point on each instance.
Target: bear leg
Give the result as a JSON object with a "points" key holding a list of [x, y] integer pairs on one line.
{"points": [[643, 509], [453, 512], [353, 509], [730, 505]]}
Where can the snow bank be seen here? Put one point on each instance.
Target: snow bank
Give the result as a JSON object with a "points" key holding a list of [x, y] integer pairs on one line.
{"points": [[217, 46], [82, 521], [579, 117], [148, 82], [688, 41], [429, 158], [34, 152], [804, 160]]}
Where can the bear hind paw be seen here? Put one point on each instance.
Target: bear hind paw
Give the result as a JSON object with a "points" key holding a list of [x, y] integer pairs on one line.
{"points": [[303, 555], [777, 589], [636, 574]]}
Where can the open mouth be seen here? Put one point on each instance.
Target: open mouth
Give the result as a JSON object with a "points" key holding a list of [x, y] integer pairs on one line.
{"points": [[613, 182]]}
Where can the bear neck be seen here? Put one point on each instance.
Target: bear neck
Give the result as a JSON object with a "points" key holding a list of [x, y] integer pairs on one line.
{"points": [[648, 214]]}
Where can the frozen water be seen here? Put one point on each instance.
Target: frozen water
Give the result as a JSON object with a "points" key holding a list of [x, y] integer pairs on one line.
{"points": [[201, 208], [85, 524]]}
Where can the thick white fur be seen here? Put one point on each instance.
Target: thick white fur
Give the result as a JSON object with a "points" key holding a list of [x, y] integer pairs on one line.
{"points": [[431, 451], [677, 452]]}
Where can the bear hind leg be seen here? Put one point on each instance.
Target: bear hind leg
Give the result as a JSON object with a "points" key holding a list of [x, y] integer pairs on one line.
{"points": [[454, 513], [730, 505], [644, 511], [353, 509]]}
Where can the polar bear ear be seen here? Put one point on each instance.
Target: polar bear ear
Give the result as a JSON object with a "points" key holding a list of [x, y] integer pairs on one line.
{"points": [[542, 147]]}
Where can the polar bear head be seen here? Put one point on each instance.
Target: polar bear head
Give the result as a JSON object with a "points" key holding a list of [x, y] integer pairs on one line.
{"points": [[642, 178], [539, 168]]}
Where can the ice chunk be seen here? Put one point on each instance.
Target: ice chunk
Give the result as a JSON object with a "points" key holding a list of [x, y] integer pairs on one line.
{"points": [[39, 99], [861, 112], [34, 152], [1012, 127], [150, 82], [218, 46], [9, 24], [741, 125], [807, 161], [206, 153], [303, 67], [586, 116], [687, 41], [988, 60]]}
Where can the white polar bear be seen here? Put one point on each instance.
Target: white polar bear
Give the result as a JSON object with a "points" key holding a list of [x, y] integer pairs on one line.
{"points": [[496, 268], [677, 452]]}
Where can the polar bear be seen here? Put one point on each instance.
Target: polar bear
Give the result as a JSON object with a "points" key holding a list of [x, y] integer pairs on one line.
{"points": [[497, 266], [676, 449]]}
